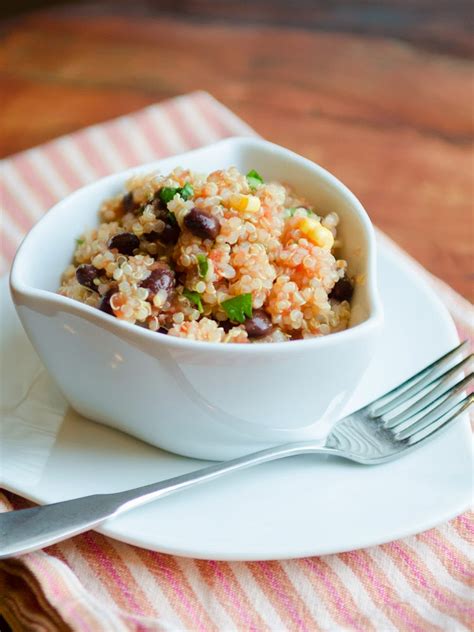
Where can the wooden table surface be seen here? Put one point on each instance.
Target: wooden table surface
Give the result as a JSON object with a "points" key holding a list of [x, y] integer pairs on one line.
{"points": [[378, 93]]}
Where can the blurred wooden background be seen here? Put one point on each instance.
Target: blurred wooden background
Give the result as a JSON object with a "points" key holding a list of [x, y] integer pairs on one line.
{"points": [[380, 93]]}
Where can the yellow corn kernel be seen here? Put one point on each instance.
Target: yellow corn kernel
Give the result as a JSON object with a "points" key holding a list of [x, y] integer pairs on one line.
{"points": [[317, 233], [245, 203]]}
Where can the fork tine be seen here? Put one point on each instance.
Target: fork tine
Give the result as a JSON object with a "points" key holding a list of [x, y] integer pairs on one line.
{"points": [[442, 422], [426, 400], [412, 385], [444, 404]]}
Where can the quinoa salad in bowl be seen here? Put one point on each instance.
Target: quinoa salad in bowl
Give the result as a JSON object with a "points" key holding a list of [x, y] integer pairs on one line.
{"points": [[225, 257]]}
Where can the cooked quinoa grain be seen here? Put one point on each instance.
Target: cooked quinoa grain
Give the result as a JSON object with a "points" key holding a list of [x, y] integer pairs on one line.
{"points": [[222, 258]]}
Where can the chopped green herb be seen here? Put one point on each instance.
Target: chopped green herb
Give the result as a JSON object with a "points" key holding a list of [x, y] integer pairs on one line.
{"points": [[203, 265], [79, 242], [186, 192], [254, 179], [195, 298], [168, 193], [238, 307]]}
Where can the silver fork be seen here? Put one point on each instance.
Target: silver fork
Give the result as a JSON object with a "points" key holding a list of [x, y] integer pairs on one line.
{"points": [[389, 427]]}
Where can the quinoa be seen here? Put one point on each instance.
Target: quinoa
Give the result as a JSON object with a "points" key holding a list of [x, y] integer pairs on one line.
{"points": [[218, 258]]}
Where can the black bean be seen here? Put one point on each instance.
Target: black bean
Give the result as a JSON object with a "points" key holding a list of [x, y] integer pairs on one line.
{"points": [[152, 236], [128, 203], [161, 278], [169, 234], [125, 243], [343, 290], [162, 330], [104, 305], [202, 224], [226, 325], [85, 275], [259, 325]]}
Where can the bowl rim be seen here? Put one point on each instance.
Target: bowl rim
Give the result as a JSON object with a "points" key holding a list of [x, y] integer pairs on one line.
{"points": [[21, 289]]}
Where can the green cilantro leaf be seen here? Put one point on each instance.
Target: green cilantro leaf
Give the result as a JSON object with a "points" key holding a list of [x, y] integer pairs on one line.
{"points": [[203, 265], [238, 307], [186, 192], [254, 179], [168, 193], [79, 241], [195, 298]]}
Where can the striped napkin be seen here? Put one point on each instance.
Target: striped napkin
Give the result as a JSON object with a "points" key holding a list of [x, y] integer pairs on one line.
{"points": [[93, 583]]}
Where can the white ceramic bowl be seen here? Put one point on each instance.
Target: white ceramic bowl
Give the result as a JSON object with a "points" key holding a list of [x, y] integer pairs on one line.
{"points": [[205, 400]]}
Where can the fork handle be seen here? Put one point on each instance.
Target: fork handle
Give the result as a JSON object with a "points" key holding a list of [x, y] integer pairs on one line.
{"points": [[27, 530]]}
